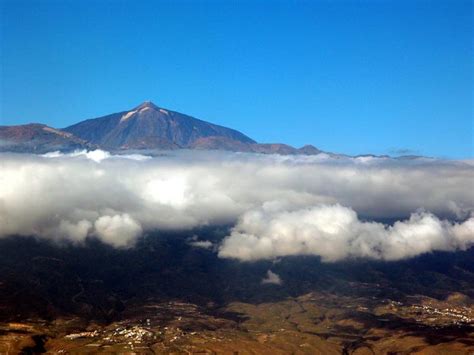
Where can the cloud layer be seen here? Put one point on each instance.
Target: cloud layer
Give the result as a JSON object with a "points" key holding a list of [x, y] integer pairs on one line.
{"points": [[334, 233], [282, 205]]}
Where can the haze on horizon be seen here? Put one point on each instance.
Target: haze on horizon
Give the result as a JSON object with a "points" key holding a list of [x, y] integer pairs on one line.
{"points": [[392, 77]]}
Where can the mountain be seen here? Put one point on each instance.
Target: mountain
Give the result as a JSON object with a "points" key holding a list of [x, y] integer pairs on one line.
{"points": [[146, 126], [39, 138], [149, 126], [221, 143]]}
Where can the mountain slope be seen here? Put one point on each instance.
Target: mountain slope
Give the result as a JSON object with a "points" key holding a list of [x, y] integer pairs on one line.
{"points": [[38, 138], [149, 126]]}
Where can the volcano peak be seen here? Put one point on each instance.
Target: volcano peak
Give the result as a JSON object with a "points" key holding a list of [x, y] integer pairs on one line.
{"points": [[146, 104]]}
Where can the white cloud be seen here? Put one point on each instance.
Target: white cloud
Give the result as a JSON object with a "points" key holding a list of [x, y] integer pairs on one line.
{"points": [[75, 231], [115, 198], [334, 232], [204, 244], [95, 155], [272, 279], [118, 230]]}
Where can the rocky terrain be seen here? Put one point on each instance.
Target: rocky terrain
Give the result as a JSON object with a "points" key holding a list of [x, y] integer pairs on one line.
{"points": [[314, 323]]}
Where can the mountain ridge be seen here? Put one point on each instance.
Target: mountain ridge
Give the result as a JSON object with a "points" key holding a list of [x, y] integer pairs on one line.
{"points": [[39, 138], [146, 126]]}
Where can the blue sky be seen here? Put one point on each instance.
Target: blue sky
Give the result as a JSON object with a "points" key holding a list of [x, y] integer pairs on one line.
{"points": [[346, 76]]}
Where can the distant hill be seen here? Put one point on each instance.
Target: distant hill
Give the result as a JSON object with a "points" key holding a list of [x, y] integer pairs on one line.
{"points": [[39, 138], [146, 126]]}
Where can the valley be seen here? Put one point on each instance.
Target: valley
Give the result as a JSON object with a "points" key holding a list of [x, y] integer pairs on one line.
{"points": [[160, 302]]}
